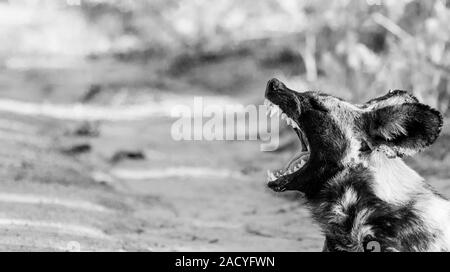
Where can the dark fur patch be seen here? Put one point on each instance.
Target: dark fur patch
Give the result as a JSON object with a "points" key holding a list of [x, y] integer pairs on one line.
{"points": [[328, 145]]}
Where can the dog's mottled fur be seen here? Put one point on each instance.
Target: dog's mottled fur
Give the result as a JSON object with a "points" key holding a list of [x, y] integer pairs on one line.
{"points": [[357, 186]]}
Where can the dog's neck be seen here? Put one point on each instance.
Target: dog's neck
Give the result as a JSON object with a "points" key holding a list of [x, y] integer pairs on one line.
{"points": [[393, 180], [379, 201], [385, 201]]}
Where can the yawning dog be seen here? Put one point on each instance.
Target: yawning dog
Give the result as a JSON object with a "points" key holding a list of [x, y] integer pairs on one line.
{"points": [[350, 170]]}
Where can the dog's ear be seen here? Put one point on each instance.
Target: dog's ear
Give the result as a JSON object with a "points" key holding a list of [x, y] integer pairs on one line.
{"points": [[402, 129]]}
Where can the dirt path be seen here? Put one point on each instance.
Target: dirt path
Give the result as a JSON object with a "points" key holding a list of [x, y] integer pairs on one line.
{"points": [[182, 196]]}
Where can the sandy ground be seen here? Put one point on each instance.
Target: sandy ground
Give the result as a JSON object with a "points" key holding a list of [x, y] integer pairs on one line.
{"points": [[127, 186], [169, 201]]}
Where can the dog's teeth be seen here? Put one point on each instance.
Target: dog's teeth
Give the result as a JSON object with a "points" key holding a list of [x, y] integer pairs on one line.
{"points": [[293, 124], [283, 116], [271, 175]]}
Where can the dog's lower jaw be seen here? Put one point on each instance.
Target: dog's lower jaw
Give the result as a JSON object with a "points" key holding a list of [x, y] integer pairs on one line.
{"points": [[277, 186]]}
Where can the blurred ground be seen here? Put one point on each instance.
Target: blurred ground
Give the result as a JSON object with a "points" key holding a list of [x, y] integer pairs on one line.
{"points": [[86, 90]]}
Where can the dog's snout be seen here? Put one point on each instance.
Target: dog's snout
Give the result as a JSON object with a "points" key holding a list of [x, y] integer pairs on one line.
{"points": [[274, 85]]}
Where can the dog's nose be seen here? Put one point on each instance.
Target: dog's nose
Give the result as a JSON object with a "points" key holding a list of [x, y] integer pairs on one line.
{"points": [[274, 85]]}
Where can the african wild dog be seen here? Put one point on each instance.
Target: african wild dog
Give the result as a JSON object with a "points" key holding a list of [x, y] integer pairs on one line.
{"points": [[351, 172]]}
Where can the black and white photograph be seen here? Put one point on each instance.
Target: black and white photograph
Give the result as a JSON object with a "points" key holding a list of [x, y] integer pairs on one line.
{"points": [[225, 126]]}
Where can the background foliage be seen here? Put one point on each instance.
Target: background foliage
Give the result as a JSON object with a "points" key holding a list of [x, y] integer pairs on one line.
{"points": [[356, 48]]}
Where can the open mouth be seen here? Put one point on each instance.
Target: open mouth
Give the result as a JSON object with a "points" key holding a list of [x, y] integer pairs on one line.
{"points": [[279, 179]]}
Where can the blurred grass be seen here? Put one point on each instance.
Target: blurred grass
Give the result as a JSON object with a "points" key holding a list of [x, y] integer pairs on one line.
{"points": [[354, 48]]}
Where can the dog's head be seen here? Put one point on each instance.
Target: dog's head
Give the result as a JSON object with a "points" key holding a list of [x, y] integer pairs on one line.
{"points": [[336, 134]]}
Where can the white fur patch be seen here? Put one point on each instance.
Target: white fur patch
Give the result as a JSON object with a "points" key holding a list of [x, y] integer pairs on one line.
{"points": [[393, 129], [360, 228], [394, 181], [349, 198], [359, 231], [435, 213]]}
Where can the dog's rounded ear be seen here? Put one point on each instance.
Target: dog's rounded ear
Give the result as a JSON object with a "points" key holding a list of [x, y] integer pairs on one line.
{"points": [[403, 129]]}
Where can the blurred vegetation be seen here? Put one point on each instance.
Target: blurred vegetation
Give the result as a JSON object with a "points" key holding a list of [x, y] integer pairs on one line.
{"points": [[360, 48]]}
